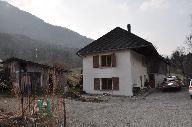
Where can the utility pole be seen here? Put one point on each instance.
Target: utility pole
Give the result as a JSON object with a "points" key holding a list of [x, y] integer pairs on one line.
{"points": [[36, 54]]}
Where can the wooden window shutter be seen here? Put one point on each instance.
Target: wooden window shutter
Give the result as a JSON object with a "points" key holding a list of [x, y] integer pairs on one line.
{"points": [[96, 61], [96, 84], [115, 83], [113, 60]]}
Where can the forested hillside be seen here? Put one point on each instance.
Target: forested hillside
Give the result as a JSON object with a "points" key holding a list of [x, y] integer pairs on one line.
{"points": [[12, 45]]}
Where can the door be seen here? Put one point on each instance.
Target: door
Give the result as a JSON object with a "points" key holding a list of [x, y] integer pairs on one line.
{"points": [[141, 80], [152, 80]]}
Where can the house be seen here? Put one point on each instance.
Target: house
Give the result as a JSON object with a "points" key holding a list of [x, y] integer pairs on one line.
{"points": [[29, 76], [117, 62]]}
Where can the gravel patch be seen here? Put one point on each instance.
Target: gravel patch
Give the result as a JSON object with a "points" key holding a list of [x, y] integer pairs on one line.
{"points": [[162, 109]]}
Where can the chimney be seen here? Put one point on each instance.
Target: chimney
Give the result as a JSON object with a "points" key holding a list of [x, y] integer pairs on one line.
{"points": [[129, 28]]}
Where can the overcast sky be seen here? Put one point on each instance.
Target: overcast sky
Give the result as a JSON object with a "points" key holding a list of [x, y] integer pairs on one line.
{"points": [[165, 23]]}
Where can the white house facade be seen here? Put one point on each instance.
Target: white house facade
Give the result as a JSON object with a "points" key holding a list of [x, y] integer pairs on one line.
{"points": [[138, 69], [116, 63], [117, 80]]}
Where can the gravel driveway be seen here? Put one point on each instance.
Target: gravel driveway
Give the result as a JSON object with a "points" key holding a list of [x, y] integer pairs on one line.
{"points": [[160, 109]]}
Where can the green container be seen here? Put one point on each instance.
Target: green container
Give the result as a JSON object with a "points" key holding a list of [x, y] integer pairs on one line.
{"points": [[40, 104], [49, 108]]}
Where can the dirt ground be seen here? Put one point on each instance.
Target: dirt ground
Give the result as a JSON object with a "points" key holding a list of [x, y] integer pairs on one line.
{"points": [[163, 109]]}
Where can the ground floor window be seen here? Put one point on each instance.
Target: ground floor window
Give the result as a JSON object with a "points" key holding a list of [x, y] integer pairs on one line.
{"points": [[106, 83]]}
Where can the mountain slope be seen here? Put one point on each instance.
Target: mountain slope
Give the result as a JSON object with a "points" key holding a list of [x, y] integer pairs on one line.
{"points": [[12, 45], [13, 20]]}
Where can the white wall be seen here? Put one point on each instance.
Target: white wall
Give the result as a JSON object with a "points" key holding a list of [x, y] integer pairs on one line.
{"points": [[122, 70], [138, 69]]}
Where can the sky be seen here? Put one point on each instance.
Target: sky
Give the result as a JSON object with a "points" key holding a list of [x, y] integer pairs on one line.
{"points": [[165, 23]]}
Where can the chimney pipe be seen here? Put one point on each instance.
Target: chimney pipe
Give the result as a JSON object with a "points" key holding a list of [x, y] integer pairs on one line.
{"points": [[129, 28]]}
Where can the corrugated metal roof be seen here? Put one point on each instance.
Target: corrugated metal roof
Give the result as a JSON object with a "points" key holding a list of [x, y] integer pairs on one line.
{"points": [[30, 62]]}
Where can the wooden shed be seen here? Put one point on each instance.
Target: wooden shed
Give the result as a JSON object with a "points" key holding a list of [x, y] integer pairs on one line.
{"points": [[29, 76]]}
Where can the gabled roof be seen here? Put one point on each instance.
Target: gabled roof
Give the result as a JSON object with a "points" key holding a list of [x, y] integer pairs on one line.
{"points": [[116, 40]]}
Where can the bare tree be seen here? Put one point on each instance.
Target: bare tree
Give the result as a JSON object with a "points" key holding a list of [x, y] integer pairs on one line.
{"points": [[189, 38], [178, 59]]}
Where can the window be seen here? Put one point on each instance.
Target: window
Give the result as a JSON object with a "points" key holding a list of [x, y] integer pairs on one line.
{"points": [[108, 60], [106, 83], [104, 61]]}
